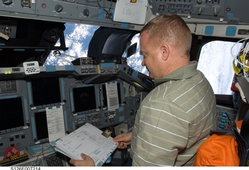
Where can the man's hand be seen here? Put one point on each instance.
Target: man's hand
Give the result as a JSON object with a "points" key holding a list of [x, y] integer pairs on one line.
{"points": [[123, 140], [87, 161]]}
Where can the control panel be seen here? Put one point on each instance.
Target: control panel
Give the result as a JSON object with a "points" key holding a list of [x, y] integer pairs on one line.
{"points": [[101, 12], [222, 117], [15, 122], [33, 105], [217, 10], [98, 12]]}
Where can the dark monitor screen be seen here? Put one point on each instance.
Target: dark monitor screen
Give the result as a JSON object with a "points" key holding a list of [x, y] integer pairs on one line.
{"points": [[41, 125], [11, 115], [45, 90], [104, 97], [109, 43], [132, 50], [84, 98], [112, 48]]}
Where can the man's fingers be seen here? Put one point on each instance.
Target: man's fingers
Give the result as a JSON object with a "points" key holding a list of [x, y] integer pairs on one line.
{"points": [[118, 138], [122, 145], [83, 156], [72, 161]]}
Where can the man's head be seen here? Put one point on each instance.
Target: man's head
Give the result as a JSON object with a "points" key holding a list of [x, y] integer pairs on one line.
{"points": [[165, 43]]}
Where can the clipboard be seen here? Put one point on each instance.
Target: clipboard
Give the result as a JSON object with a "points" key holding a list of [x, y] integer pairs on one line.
{"points": [[89, 140]]}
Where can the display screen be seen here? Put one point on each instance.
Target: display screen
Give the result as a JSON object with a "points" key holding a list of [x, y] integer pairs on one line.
{"points": [[11, 113], [30, 64], [41, 125], [84, 98], [46, 91]]}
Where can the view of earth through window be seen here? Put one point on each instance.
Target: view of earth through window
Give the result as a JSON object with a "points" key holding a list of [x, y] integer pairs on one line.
{"points": [[216, 64], [215, 59]]}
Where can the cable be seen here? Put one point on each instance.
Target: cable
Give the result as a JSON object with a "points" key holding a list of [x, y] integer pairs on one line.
{"points": [[130, 130], [70, 56], [110, 6], [42, 153], [235, 57], [57, 54], [241, 93], [108, 13], [39, 155]]}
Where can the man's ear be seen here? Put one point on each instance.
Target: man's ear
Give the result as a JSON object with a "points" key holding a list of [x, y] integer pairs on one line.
{"points": [[165, 50]]}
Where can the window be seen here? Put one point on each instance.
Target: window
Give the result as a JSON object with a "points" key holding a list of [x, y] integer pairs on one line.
{"points": [[215, 59], [77, 38], [215, 62], [135, 60]]}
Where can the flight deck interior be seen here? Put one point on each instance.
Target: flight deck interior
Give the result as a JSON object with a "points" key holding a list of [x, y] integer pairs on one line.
{"points": [[39, 103]]}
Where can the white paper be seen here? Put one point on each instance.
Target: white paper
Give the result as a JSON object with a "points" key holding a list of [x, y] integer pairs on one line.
{"points": [[55, 122], [131, 11], [88, 140], [112, 95]]}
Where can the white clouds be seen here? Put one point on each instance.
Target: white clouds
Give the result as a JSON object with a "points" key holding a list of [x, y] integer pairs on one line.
{"points": [[77, 50], [77, 40], [80, 31], [135, 60]]}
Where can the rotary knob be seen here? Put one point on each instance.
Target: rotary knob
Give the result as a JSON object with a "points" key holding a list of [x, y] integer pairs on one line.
{"points": [[7, 2], [200, 10], [216, 10], [199, 1], [86, 12], [58, 8], [131, 112]]}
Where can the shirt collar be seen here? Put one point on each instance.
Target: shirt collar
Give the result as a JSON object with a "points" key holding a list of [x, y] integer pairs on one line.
{"points": [[179, 74]]}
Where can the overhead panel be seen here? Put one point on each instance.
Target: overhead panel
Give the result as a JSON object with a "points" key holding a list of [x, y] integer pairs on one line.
{"points": [[229, 11], [17, 6], [99, 12]]}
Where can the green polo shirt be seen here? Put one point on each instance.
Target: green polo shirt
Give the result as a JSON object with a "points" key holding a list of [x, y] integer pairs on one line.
{"points": [[174, 119]]}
